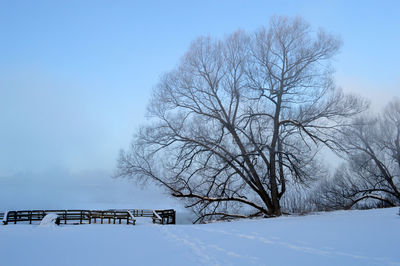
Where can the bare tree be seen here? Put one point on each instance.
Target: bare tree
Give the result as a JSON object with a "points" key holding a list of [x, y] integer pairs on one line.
{"points": [[242, 118], [372, 172]]}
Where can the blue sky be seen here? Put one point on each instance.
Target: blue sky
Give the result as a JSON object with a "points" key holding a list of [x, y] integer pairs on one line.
{"points": [[75, 76]]}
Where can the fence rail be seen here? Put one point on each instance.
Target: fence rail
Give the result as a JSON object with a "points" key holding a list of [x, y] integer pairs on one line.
{"points": [[167, 216], [91, 216]]}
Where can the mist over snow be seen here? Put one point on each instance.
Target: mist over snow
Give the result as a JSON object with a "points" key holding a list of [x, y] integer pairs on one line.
{"points": [[61, 189]]}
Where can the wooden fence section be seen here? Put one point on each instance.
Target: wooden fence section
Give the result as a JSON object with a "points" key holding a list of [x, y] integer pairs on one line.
{"points": [[91, 216], [158, 216], [167, 216]]}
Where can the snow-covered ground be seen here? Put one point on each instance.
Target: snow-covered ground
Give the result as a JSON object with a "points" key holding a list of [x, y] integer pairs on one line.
{"points": [[369, 237]]}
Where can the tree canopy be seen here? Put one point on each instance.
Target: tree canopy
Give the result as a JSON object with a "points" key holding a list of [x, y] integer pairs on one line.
{"points": [[242, 118]]}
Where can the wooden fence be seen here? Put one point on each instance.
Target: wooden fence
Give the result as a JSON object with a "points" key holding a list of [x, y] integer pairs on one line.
{"points": [[91, 216]]}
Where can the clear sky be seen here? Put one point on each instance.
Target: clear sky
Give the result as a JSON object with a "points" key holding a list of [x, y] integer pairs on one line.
{"points": [[75, 76]]}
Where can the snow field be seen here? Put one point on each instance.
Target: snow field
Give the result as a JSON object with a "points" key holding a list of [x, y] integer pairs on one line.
{"points": [[369, 237]]}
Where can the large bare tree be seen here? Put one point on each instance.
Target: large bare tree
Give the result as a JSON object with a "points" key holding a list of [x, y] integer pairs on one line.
{"points": [[242, 118], [372, 171]]}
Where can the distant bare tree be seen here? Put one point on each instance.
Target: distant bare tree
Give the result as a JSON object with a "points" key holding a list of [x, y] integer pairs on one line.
{"points": [[373, 169], [242, 118]]}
